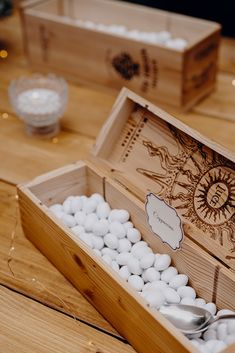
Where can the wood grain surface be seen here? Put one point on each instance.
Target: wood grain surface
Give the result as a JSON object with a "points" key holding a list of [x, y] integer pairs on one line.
{"points": [[41, 329], [26, 325]]}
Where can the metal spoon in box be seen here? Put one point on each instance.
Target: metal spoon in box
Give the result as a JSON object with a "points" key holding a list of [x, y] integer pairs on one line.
{"points": [[190, 319]]}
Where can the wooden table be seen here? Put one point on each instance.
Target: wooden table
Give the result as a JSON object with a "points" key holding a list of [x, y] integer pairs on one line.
{"points": [[40, 311]]}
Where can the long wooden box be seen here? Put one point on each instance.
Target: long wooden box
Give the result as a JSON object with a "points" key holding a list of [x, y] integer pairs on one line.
{"points": [[141, 150], [56, 41]]}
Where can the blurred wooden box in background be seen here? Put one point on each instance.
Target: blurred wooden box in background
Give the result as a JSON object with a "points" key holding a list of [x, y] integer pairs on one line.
{"points": [[55, 41]]}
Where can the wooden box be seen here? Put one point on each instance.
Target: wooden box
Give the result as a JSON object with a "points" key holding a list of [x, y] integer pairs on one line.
{"points": [[56, 41], [143, 150]]}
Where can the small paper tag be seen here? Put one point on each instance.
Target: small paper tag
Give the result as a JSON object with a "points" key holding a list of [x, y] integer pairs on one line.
{"points": [[164, 221]]}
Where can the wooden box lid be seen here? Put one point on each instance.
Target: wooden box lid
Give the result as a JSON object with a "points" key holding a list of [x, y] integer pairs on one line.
{"points": [[151, 153]]}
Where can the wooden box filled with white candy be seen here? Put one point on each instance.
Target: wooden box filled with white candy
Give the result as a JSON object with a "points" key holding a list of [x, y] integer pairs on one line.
{"points": [[185, 231], [165, 57]]}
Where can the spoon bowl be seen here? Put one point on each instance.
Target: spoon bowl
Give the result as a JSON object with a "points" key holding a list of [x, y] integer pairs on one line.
{"points": [[190, 319]]}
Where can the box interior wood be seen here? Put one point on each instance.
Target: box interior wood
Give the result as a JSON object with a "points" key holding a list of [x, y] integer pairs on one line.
{"points": [[132, 16], [146, 150]]}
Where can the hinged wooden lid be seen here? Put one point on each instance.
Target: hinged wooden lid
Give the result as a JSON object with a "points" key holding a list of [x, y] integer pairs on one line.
{"points": [[148, 151]]}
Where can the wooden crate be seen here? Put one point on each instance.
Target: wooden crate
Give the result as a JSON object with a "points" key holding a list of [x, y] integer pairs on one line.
{"points": [[143, 150], [55, 42]]}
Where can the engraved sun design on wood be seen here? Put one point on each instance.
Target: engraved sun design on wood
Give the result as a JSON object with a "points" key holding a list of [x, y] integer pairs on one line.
{"points": [[199, 183]]}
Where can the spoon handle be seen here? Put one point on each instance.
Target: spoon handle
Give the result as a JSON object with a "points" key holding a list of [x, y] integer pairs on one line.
{"points": [[204, 328], [222, 317]]}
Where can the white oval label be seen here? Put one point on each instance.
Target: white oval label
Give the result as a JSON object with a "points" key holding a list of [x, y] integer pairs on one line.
{"points": [[164, 221]]}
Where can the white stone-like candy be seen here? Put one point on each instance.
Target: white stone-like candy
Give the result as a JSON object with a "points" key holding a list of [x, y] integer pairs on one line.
{"points": [[219, 347], [186, 291], [68, 220], [67, 205], [200, 302], [121, 216], [98, 198], [136, 282], [171, 296], [178, 281], [78, 230], [151, 275], [154, 298], [133, 265], [124, 272], [107, 259], [224, 312], [141, 251], [111, 241], [133, 235], [98, 252], [101, 227], [84, 200], [187, 301], [168, 274], [209, 335], [90, 206], [124, 245], [80, 217], [231, 327], [87, 238], [230, 339], [222, 331], [117, 229], [123, 258], [57, 207], [59, 214], [162, 262], [89, 221], [76, 204], [128, 225], [112, 253], [98, 242], [211, 307], [103, 210], [147, 260], [157, 285], [115, 265]]}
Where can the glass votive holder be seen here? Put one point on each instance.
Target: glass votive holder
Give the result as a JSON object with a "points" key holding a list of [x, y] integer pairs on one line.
{"points": [[40, 101]]}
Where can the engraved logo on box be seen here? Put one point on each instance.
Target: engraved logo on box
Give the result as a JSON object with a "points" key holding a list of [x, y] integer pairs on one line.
{"points": [[129, 68], [164, 221], [196, 181]]}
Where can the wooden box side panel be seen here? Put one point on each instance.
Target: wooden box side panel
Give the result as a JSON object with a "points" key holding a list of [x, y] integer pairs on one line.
{"points": [[203, 271], [97, 283], [200, 69], [149, 70]]}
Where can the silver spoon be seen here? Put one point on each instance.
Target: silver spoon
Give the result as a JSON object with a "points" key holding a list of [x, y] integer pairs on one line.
{"points": [[190, 319]]}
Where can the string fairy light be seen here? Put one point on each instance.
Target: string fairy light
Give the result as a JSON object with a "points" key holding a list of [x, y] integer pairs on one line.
{"points": [[92, 348]]}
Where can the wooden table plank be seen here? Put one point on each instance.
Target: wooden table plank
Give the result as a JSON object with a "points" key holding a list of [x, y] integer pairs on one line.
{"points": [[23, 157], [221, 103], [50, 287], [227, 55], [27, 326]]}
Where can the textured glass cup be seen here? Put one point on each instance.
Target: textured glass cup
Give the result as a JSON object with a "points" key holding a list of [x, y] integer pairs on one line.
{"points": [[40, 101]]}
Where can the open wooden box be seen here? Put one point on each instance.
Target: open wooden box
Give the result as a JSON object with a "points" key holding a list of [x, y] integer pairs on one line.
{"points": [[55, 40], [142, 149]]}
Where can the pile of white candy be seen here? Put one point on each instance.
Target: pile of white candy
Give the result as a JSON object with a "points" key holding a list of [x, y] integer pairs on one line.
{"points": [[163, 37], [38, 101], [113, 237]]}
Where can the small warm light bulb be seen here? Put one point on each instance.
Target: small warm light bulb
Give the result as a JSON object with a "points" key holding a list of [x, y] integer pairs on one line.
{"points": [[233, 82], [4, 115], [55, 140], [3, 54]]}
